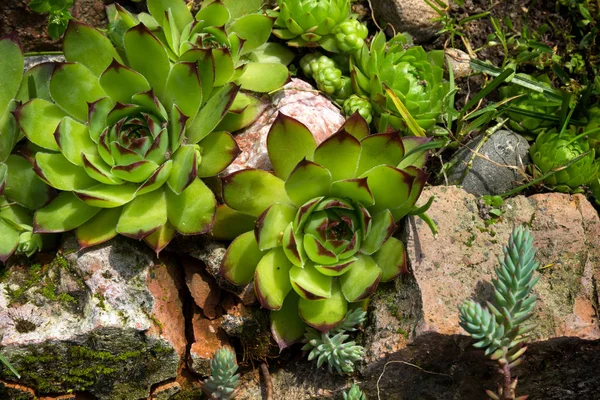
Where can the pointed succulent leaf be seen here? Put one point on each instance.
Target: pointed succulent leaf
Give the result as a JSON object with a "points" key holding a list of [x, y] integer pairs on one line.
{"points": [[38, 120], [380, 180], [380, 149], [184, 88], [177, 126], [324, 314], [254, 29], [307, 181], [339, 154], [9, 239], [184, 169], [107, 196], [418, 183], [391, 259], [293, 246], [317, 252], [219, 149], [272, 53], [234, 121], [289, 142], [355, 189], [193, 210], [36, 83], [214, 14], [263, 77], [181, 14], [159, 147], [241, 259], [304, 213], [253, 191], [87, 45], [356, 126], [309, 283], [72, 87], [23, 186], [64, 213], [230, 223], [137, 171], [60, 173], [144, 215], [140, 46], [224, 66], [97, 113], [286, 325], [160, 238], [150, 102], [382, 227], [212, 113], [73, 138], [361, 280], [11, 70], [271, 224], [206, 68], [338, 269], [9, 131], [99, 229], [120, 83], [272, 280]]}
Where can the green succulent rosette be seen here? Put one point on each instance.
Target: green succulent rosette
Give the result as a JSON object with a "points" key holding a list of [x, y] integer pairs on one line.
{"points": [[324, 221], [21, 191], [553, 149], [126, 140], [519, 110], [235, 44], [414, 75], [325, 23]]}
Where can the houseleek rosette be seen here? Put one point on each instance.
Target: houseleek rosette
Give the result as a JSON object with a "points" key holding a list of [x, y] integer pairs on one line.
{"points": [[325, 23], [235, 44], [324, 222], [127, 143], [414, 75], [552, 150], [21, 191]]}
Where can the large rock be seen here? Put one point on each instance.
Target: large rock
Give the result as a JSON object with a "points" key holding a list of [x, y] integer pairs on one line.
{"points": [[298, 100], [412, 16], [497, 165], [107, 320]]}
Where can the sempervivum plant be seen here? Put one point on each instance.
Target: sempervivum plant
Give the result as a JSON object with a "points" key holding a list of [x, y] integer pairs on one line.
{"points": [[127, 140], [21, 191], [325, 23], [324, 221], [552, 150], [414, 75], [529, 102], [231, 47]]}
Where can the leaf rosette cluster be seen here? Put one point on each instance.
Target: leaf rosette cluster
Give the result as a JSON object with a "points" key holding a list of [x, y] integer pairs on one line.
{"points": [[126, 139], [414, 75], [323, 223]]}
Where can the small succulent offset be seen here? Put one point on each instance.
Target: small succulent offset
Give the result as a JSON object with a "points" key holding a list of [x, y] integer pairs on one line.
{"points": [[324, 221], [223, 379], [499, 327], [126, 141], [354, 393], [553, 149], [413, 75], [21, 191], [325, 23], [58, 14], [327, 75], [529, 102], [332, 349]]}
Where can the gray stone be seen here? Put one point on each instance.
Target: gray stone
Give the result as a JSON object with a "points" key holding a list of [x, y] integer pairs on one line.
{"points": [[497, 166], [412, 16], [32, 61], [460, 62], [106, 320]]}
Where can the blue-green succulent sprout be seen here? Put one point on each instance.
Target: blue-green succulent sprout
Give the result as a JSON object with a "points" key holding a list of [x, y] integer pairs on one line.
{"points": [[126, 140], [21, 191], [232, 48]]}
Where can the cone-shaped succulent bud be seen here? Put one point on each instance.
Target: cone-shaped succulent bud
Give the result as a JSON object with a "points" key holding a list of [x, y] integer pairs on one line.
{"points": [[329, 79], [29, 243], [310, 22], [344, 91], [360, 105], [350, 35], [128, 143], [530, 101], [312, 63], [414, 75], [553, 149], [223, 378], [324, 221], [354, 393]]}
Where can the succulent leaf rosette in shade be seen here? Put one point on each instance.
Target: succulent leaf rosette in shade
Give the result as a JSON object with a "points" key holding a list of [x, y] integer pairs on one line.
{"points": [[126, 140], [21, 190], [324, 221], [553, 149], [325, 23], [414, 75]]}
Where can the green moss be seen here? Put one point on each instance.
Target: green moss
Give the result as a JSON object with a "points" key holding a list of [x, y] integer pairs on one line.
{"points": [[101, 299], [32, 277]]}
